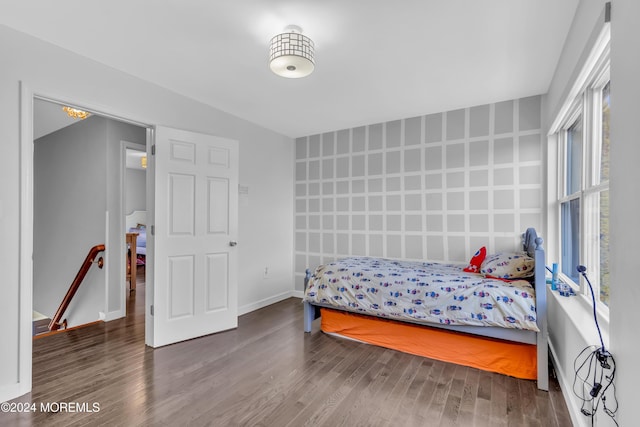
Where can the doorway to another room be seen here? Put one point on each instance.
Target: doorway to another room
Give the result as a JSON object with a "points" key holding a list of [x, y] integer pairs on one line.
{"points": [[83, 185], [73, 197]]}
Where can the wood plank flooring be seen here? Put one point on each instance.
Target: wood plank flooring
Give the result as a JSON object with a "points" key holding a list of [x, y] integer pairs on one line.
{"points": [[267, 372]]}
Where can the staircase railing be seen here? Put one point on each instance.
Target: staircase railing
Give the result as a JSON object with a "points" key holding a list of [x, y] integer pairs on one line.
{"points": [[84, 268]]}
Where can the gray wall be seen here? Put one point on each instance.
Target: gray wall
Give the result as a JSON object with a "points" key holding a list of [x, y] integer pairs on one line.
{"points": [[625, 204], [434, 187], [116, 133], [135, 190], [93, 85], [69, 217]]}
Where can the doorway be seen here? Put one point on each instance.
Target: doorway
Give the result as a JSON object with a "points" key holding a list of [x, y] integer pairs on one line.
{"points": [[215, 178], [79, 177]]}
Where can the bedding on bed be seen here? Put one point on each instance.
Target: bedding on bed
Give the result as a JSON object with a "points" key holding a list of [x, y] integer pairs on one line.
{"points": [[422, 292], [141, 240]]}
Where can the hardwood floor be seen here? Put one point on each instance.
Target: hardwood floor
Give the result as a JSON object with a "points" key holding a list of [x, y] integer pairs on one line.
{"points": [[267, 372]]}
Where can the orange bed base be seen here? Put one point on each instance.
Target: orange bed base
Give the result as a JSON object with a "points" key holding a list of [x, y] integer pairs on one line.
{"points": [[489, 354]]}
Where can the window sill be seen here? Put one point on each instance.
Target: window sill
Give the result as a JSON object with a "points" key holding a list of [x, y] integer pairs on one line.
{"points": [[579, 311]]}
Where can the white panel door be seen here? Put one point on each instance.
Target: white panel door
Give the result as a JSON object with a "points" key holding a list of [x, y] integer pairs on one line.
{"points": [[195, 228]]}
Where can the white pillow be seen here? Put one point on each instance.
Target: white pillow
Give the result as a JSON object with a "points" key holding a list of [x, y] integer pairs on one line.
{"points": [[508, 265]]}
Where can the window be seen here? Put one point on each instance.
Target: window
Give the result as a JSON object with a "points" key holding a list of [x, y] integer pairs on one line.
{"points": [[570, 206], [583, 176]]}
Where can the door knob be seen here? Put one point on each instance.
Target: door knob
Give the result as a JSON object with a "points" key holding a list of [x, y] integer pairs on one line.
{"points": [[233, 243]]}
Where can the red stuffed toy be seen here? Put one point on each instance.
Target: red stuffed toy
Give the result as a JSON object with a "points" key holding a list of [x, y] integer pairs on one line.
{"points": [[476, 261]]}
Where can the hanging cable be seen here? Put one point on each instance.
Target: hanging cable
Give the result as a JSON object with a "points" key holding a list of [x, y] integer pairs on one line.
{"points": [[582, 270], [595, 371]]}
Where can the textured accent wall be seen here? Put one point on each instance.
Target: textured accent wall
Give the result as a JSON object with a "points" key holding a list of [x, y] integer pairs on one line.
{"points": [[434, 187]]}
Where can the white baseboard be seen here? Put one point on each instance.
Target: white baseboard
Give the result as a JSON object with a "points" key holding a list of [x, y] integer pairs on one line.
{"points": [[248, 308], [12, 391], [566, 385], [113, 315]]}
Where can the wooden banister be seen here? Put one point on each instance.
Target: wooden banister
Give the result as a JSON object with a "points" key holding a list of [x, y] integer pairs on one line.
{"points": [[84, 268]]}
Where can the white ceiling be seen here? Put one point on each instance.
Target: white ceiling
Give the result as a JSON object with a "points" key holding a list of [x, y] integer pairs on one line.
{"points": [[375, 60], [49, 117]]}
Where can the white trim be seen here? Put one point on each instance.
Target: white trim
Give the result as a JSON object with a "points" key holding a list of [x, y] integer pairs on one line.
{"points": [[25, 287], [566, 386], [24, 372], [149, 326], [122, 253], [108, 254], [582, 105], [248, 308], [584, 77], [92, 109]]}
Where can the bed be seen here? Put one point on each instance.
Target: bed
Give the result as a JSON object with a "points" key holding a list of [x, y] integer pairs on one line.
{"points": [[136, 240], [439, 310]]}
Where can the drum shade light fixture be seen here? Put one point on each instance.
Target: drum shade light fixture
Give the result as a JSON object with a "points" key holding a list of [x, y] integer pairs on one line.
{"points": [[291, 54]]}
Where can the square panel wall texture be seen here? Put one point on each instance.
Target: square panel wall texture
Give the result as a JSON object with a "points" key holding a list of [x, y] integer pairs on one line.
{"points": [[433, 187]]}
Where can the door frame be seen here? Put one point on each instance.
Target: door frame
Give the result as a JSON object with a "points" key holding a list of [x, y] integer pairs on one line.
{"points": [[26, 199]]}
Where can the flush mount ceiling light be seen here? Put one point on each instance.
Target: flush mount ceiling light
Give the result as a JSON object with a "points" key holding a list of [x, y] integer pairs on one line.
{"points": [[75, 113], [291, 53]]}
